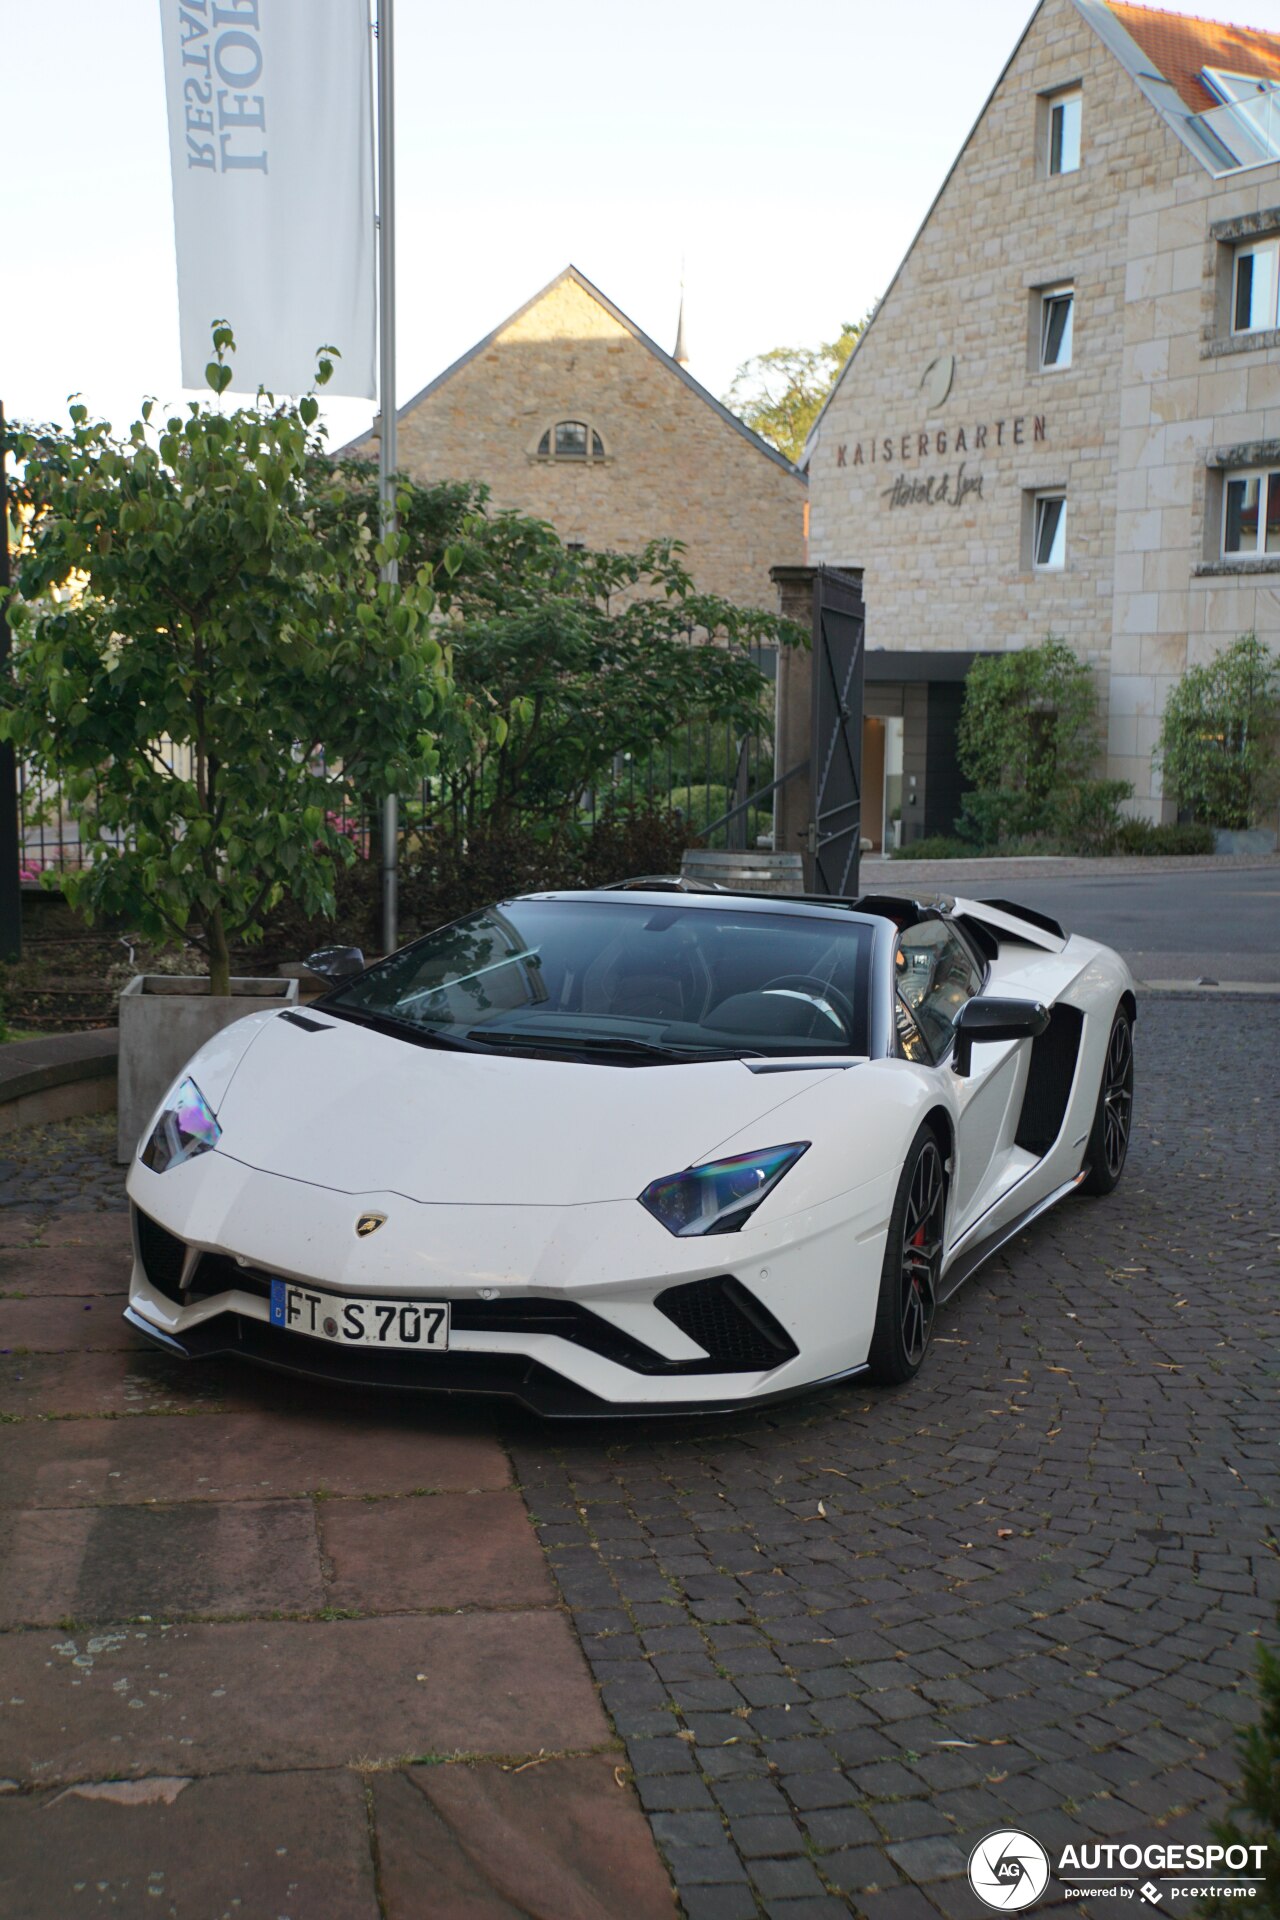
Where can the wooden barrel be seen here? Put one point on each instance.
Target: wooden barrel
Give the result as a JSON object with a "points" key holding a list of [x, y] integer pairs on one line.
{"points": [[753, 871]]}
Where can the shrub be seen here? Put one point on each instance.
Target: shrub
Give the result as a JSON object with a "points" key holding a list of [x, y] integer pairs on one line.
{"points": [[1028, 740], [1218, 738], [700, 805], [451, 875], [633, 840], [1143, 836], [1085, 818]]}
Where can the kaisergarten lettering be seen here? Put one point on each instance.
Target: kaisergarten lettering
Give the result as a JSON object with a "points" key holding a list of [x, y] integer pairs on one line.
{"points": [[936, 443]]}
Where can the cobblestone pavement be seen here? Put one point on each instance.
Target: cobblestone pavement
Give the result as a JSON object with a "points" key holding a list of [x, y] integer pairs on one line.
{"points": [[845, 1639], [66, 1168]]}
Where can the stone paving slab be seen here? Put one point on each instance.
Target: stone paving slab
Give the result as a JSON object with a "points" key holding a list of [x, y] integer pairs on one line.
{"points": [[60, 1322], [242, 1456], [290, 1694], [90, 1563], [560, 1840], [74, 1384], [36, 1271], [294, 1845], [105, 1232], [447, 1550], [140, 1493]]}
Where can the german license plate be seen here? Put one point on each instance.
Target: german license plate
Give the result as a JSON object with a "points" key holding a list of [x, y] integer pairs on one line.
{"points": [[359, 1323]]}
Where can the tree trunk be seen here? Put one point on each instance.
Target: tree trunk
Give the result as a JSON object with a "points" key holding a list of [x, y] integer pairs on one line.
{"points": [[219, 954]]}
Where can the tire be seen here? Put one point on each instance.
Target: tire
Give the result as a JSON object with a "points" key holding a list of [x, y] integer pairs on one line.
{"points": [[1108, 1146], [908, 1302]]}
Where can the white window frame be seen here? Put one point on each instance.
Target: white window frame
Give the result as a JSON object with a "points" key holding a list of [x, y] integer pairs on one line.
{"points": [[1053, 102], [1235, 89], [1064, 292], [1038, 502], [1245, 556], [1270, 243]]}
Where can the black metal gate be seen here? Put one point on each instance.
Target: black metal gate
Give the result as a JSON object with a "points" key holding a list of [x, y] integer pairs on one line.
{"points": [[835, 829]]}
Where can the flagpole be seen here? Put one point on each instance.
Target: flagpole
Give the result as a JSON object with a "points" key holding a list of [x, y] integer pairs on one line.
{"points": [[387, 458]]}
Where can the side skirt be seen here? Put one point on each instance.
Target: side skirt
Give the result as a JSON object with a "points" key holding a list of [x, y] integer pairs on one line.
{"points": [[972, 1258]]}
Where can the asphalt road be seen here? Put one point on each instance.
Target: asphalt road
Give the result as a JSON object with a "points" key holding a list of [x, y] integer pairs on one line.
{"points": [[1223, 924]]}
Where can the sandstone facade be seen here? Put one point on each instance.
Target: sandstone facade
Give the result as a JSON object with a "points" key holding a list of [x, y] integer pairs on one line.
{"points": [[665, 458], [933, 496]]}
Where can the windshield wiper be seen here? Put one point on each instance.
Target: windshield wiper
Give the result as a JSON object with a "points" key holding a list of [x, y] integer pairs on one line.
{"points": [[400, 1029], [621, 1044]]}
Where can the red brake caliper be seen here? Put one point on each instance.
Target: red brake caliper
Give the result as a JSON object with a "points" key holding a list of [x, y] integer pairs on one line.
{"points": [[917, 1240]]}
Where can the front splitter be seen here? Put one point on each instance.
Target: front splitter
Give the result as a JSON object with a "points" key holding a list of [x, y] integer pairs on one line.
{"points": [[469, 1375]]}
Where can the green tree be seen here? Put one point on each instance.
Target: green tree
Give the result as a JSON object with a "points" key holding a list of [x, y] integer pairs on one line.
{"points": [[1218, 737], [1028, 740], [206, 657], [570, 659], [779, 394]]}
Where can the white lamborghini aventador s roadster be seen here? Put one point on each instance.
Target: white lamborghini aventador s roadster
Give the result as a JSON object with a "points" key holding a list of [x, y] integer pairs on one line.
{"points": [[638, 1150]]}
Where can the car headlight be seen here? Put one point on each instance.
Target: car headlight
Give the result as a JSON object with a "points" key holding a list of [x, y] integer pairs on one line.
{"points": [[186, 1127], [717, 1198]]}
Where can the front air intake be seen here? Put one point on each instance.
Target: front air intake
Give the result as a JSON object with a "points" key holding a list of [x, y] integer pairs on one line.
{"points": [[162, 1255], [738, 1332]]}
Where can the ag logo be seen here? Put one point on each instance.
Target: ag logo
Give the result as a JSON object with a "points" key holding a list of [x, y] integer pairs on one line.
{"points": [[369, 1223], [1008, 1870]]}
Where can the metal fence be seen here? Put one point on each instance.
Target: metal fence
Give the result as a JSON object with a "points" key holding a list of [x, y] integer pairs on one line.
{"points": [[705, 772]]}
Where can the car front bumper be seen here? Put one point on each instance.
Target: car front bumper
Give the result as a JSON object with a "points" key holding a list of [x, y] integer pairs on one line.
{"points": [[573, 1311]]}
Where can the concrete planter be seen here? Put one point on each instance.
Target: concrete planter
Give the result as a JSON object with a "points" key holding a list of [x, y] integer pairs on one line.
{"points": [[164, 1019]]}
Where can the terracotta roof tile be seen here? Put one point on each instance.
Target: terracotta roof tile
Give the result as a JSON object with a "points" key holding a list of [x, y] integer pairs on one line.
{"points": [[1178, 45]]}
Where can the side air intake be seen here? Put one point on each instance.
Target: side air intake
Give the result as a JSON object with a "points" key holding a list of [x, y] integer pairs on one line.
{"points": [[1053, 1070]]}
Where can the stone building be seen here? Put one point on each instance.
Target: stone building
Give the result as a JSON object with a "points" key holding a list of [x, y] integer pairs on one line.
{"points": [[1065, 415], [569, 412]]}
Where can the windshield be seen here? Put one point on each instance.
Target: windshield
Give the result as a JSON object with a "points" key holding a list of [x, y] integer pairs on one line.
{"points": [[627, 980]]}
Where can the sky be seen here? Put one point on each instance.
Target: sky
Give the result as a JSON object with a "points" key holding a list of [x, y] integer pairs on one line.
{"points": [[782, 158]]}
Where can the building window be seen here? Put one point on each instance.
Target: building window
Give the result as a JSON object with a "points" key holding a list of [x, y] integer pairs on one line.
{"points": [[1250, 515], [1057, 312], [1049, 533], [1064, 132], [1253, 294], [571, 440]]}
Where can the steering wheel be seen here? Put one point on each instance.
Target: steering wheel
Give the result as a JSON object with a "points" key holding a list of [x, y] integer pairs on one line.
{"points": [[826, 998]]}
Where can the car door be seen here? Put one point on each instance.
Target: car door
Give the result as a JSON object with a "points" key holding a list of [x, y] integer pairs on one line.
{"points": [[936, 973]]}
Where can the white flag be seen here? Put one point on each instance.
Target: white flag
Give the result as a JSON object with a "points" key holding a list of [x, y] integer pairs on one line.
{"points": [[271, 143]]}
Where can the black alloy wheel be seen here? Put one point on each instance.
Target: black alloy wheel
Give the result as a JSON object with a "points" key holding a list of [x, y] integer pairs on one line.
{"points": [[908, 1301], [1108, 1145]]}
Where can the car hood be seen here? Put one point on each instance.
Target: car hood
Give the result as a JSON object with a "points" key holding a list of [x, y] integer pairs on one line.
{"points": [[357, 1111]]}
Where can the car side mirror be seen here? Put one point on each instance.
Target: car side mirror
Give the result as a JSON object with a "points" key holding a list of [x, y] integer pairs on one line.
{"points": [[335, 963], [990, 1019]]}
